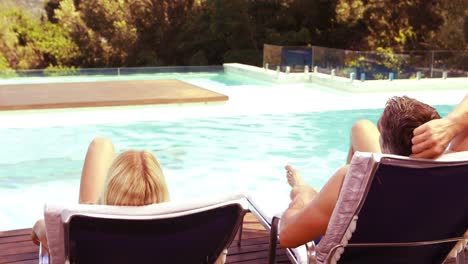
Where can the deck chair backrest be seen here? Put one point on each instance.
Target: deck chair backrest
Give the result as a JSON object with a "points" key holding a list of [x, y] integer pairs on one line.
{"points": [[173, 232], [393, 199]]}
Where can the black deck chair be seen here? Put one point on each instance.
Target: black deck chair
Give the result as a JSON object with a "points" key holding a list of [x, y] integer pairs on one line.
{"points": [[173, 232], [394, 209]]}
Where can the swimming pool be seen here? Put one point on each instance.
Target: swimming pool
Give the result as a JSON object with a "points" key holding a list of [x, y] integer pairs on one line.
{"points": [[199, 156]]}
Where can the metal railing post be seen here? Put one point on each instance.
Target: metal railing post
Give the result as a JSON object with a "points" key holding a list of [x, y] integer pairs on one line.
{"points": [[432, 63]]}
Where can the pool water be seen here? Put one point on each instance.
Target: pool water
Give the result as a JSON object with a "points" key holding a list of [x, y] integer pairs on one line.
{"points": [[199, 156]]}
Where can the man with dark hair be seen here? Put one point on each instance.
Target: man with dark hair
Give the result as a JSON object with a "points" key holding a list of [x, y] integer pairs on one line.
{"points": [[401, 116], [309, 212], [396, 125]]}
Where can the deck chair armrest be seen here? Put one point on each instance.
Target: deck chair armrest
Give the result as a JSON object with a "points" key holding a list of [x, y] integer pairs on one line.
{"points": [[278, 215], [269, 211], [311, 248], [43, 254], [274, 232], [458, 251], [275, 225]]}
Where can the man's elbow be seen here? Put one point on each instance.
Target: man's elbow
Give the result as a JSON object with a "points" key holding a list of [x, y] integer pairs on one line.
{"points": [[287, 241]]}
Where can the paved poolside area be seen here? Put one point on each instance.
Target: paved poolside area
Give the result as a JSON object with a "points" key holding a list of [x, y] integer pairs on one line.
{"points": [[107, 93]]}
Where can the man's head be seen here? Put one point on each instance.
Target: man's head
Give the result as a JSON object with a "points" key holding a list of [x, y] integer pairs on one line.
{"points": [[400, 117]]}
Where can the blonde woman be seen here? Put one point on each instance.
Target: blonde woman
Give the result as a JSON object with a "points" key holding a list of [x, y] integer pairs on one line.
{"points": [[132, 178]]}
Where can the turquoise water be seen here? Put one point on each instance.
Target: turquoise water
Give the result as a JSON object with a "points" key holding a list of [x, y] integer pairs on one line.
{"points": [[198, 156]]}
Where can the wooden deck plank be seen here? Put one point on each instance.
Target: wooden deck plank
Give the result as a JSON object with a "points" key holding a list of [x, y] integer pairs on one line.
{"points": [[14, 236], [108, 93], [254, 244], [28, 257]]}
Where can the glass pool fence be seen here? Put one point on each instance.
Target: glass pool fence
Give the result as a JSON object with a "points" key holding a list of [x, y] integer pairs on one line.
{"points": [[367, 65], [107, 71], [358, 65]]}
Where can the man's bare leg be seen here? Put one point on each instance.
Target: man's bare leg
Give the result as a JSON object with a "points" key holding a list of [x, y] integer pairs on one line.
{"points": [[98, 160], [364, 137]]}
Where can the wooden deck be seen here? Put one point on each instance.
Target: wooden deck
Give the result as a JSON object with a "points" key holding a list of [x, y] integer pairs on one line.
{"points": [[16, 246], [109, 93]]}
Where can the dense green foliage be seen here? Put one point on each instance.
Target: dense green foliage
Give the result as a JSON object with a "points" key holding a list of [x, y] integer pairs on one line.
{"points": [[124, 33]]}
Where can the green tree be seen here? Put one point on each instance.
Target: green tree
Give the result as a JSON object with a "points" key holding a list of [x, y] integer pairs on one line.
{"points": [[29, 43], [453, 33], [104, 33], [222, 31], [91, 52], [391, 24], [160, 24], [110, 25], [8, 41], [50, 6], [124, 32]]}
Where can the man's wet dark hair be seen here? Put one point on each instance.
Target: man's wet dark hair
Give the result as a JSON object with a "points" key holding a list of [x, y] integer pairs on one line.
{"points": [[400, 117]]}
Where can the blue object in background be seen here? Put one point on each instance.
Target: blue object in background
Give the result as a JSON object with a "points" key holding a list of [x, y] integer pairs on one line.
{"points": [[296, 56], [363, 76]]}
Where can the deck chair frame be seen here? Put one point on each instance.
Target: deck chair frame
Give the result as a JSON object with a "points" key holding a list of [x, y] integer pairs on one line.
{"points": [[273, 228]]}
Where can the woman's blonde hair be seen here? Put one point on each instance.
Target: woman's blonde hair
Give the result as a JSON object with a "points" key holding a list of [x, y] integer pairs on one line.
{"points": [[134, 178]]}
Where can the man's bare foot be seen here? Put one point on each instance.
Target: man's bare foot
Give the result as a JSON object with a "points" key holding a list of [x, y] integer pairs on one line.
{"points": [[293, 176]]}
